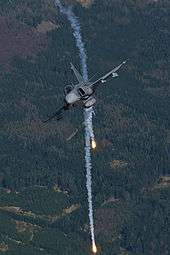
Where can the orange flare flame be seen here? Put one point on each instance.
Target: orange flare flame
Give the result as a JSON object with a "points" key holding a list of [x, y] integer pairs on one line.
{"points": [[94, 248], [93, 144]]}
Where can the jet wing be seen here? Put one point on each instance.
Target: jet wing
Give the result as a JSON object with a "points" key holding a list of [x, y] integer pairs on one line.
{"points": [[58, 114], [104, 78]]}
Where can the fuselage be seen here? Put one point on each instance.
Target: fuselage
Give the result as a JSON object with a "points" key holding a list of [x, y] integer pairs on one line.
{"points": [[81, 93]]}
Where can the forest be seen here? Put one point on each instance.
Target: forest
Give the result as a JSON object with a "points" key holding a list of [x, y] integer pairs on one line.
{"points": [[43, 198]]}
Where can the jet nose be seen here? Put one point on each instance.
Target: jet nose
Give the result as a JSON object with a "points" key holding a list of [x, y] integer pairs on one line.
{"points": [[71, 98]]}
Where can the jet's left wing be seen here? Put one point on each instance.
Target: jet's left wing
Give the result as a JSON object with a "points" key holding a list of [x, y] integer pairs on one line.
{"points": [[103, 79], [58, 114]]}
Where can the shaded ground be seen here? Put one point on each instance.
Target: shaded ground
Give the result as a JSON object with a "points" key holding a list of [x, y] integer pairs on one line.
{"points": [[18, 39]]}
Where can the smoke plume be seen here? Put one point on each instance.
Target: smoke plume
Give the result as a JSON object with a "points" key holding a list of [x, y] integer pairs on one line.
{"points": [[88, 113]]}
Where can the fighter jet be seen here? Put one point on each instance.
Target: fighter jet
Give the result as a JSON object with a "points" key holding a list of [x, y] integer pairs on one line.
{"points": [[82, 93]]}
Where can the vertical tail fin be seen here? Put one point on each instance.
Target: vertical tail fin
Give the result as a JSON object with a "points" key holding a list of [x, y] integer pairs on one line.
{"points": [[77, 74]]}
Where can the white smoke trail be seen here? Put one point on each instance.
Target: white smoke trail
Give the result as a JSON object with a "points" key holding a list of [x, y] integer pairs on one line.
{"points": [[89, 134], [88, 113], [77, 34]]}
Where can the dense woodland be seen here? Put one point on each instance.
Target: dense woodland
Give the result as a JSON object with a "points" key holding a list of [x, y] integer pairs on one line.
{"points": [[43, 198]]}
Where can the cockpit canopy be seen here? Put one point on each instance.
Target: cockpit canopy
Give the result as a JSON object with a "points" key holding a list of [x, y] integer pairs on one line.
{"points": [[81, 92], [85, 91]]}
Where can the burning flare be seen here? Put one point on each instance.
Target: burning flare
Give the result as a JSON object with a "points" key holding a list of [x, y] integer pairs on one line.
{"points": [[93, 144], [94, 248]]}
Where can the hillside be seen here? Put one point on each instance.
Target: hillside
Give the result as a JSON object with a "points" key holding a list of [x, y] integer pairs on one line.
{"points": [[43, 200]]}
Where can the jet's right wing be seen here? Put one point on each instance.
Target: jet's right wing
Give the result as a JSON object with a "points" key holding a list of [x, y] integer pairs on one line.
{"points": [[58, 114], [77, 74], [103, 79]]}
